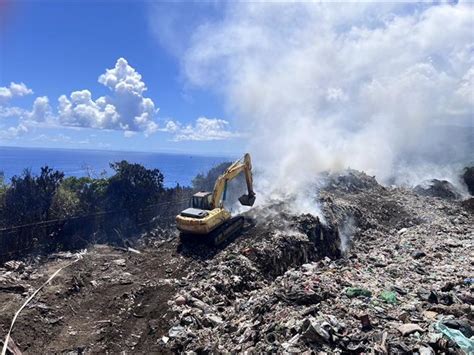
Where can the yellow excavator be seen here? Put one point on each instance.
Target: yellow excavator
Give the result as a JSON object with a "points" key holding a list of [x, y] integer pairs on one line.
{"points": [[207, 219]]}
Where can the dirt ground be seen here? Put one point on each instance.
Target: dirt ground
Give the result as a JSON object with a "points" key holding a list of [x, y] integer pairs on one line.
{"points": [[110, 300]]}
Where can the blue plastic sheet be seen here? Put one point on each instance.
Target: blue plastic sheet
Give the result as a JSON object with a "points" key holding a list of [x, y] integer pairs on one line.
{"points": [[464, 343]]}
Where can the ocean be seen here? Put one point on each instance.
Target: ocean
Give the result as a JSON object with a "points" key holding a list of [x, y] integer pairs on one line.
{"points": [[176, 168]]}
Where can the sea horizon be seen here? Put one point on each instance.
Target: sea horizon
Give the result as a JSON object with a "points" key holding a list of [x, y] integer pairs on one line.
{"points": [[177, 168]]}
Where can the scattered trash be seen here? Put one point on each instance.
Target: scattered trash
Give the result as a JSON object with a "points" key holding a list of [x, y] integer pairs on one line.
{"points": [[14, 265], [134, 250], [365, 321], [408, 328], [177, 331], [388, 297], [466, 344], [12, 347], [469, 280], [120, 262], [358, 291], [418, 254]]}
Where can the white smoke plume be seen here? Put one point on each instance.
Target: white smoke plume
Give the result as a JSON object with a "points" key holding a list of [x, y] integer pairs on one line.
{"points": [[322, 86]]}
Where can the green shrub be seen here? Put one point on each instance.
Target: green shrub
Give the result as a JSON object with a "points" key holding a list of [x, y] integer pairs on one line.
{"points": [[28, 198], [133, 186]]}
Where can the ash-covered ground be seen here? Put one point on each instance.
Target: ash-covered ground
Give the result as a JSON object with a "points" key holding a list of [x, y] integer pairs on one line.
{"points": [[389, 270]]}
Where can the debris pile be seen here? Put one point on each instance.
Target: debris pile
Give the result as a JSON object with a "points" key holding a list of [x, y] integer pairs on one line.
{"points": [[403, 280], [468, 178], [383, 269], [438, 188]]}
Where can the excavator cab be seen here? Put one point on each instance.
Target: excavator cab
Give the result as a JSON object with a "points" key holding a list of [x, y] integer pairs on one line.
{"points": [[202, 200]]}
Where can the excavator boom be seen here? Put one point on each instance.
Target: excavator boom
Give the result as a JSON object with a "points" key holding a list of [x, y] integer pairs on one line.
{"points": [[242, 165]]}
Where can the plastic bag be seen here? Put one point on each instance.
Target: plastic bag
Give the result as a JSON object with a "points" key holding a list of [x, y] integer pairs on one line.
{"points": [[357, 291], [388, 297], [464, 343]]}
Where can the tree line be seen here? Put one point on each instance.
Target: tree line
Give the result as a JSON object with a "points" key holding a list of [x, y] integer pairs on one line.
{"points": [[88, 209]]}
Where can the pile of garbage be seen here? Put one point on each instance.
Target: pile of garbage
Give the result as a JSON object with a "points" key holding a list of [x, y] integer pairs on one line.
{"points": [[389, 270]]}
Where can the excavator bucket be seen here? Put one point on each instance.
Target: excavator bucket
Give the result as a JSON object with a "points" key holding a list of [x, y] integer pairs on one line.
{"points": [[247, 200]]}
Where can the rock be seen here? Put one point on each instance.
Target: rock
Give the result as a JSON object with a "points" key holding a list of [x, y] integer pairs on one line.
{"points": [[14, 265], [213, 319], [180, 300], [409, 328], [120, 262]]}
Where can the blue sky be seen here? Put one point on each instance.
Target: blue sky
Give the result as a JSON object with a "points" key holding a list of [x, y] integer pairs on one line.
{"points": [[56, 48], [301, 85]]}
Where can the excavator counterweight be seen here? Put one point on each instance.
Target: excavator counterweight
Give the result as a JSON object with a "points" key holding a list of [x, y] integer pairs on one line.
{"points": [[207, 218]]}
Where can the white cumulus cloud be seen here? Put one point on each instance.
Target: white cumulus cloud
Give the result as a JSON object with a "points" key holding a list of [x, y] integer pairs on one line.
{"points": [[204, 129], [41, 111], [124, 109], [13, 132], [14, 90]]}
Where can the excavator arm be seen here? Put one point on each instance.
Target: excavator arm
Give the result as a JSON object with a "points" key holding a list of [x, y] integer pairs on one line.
{"points": [[210, 219], [242, 165]]}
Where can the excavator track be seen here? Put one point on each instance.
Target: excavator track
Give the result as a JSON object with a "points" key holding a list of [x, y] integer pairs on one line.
{"points": [[226, 230], [218, 235]]}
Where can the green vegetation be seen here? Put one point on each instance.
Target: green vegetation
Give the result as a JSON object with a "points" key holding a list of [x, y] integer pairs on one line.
{"points": [[51, 211], [133, 186], [28, 198]]}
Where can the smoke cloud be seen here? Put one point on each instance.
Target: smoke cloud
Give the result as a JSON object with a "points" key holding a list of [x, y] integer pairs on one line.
{"points": [[325, 86]]}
